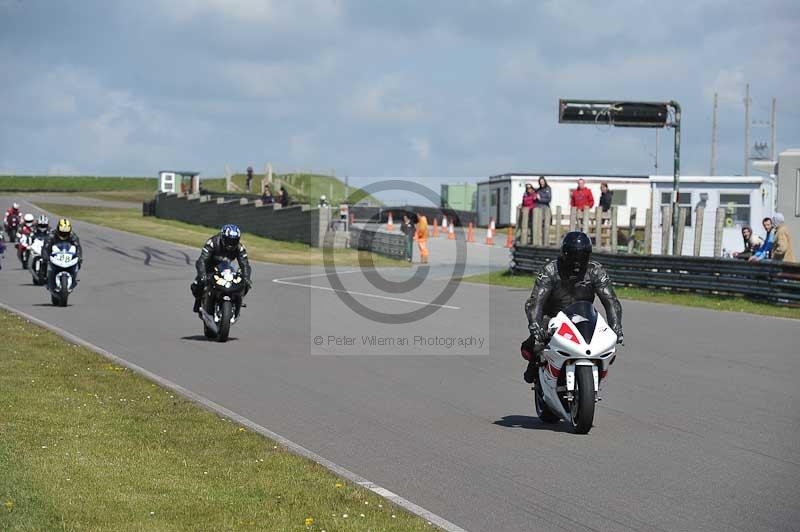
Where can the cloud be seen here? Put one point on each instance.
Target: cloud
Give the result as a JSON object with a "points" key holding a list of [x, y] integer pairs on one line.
{"points": [[385, 101], [421, 147]]}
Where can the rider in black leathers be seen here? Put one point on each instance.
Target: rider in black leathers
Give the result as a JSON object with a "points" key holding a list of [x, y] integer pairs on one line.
{"points": [[216, 249], [569, 278]]}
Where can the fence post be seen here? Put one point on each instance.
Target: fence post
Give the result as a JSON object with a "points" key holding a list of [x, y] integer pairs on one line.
{"points": [[720, 223], [548, 215], [585, 221], [573, 219], [538, 219], [698, 229], [524, 225], [614, 229], [666, 216], [536, 227], [632, 226], [558, 225], [681, 229], [598, 226], [648, 231]]}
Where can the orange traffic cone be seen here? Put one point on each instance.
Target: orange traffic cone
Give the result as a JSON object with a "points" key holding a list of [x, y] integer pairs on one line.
{"points": [[490, 234], [390, 223], [451, 233], [435, 227], [470, 233], [509, 238]]}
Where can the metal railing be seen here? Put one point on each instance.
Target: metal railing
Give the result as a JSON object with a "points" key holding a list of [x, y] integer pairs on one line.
{"points": [[387, 244], [776, 282]]}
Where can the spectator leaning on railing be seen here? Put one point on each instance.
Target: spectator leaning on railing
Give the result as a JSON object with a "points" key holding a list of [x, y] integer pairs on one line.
{"points": [[765, 248], [266, 197], [782, 250], [581, 198], [752, 243], [543, 194]]}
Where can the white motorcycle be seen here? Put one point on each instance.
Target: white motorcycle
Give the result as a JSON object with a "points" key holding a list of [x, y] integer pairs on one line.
{"points": [[35, 261], [574, 367], [62, 272]]}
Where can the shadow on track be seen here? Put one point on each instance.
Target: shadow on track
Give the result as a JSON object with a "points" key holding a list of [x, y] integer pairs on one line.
{"points": [[202, 338], [530, 422]]}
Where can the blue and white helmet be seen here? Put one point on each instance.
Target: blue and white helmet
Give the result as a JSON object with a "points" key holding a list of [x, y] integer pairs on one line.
{"points": [[230, 236]]}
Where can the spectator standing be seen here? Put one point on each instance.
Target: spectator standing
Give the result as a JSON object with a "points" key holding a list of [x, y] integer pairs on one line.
{"points": [[323, 201], [249, 177], [283, 197], [422, 238], [765, 249], [266, 197], [581, 197], [408, 229], [782, 250], [543, 194], [529, 198], [752, 243], [605, 196]]}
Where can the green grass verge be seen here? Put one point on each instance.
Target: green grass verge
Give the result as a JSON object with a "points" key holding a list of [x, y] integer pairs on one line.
{"points": [[111, 188], [76, 184], [258, 248], [732, 304], [89, 445]]}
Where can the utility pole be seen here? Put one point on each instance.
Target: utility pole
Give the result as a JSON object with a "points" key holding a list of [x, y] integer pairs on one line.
{"points": [[774, 151], [714, 138], [658, 147], [746, 128]]}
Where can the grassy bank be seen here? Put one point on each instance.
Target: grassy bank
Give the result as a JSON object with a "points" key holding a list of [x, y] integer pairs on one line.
{"points": [[135, 189], [88, 445], [732, 304], [259, 248]]}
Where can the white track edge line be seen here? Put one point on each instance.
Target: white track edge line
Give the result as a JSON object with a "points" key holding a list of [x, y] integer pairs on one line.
{"points": [[210, 405]]}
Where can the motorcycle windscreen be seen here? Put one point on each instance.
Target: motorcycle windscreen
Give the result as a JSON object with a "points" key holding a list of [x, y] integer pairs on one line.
{"points": [[583, 316]]}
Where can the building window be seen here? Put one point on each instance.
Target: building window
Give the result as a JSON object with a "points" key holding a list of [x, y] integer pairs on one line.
{"points": [[483, 199], [619, 197], [737, 209], [493, 200], [505, 196], [684, 200], [797, 194]]}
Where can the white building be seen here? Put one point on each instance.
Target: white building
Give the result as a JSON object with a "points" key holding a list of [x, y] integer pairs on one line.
{"points": [[501, 195], [747, 199], [788, 194]]}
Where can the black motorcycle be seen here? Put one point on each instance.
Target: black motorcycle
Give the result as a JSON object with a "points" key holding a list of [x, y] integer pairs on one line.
{"points": [[222, 301]]}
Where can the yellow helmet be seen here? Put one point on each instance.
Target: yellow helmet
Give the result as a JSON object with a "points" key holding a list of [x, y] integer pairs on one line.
{"points": [[64, 228]]}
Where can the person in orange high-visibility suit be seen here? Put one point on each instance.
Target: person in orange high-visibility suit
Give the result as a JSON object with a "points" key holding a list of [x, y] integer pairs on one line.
{"points": [[422, 238]]}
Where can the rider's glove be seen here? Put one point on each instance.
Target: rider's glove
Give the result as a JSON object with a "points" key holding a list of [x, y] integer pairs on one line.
{"points": [[202, 279], [537, 333], [618, 331]]}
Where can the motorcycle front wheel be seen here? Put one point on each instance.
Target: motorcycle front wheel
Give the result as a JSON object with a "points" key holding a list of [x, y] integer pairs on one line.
{"points": [[582, 409], [225, 312]]}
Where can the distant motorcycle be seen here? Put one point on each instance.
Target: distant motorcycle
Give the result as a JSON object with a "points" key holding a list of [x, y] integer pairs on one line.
{"points": [[36, 264], [222, 301], [11, 226], [62, 272], [23, 243], [580, 350]]}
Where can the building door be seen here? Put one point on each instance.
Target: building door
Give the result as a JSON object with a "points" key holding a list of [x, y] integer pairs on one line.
{"points": [[497, 205]]}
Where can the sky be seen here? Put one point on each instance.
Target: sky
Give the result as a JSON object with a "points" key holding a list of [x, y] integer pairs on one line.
{"points": [[370, 89]]}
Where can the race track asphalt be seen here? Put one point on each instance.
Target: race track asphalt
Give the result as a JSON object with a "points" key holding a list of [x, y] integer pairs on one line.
{"points": [[697, 429]]}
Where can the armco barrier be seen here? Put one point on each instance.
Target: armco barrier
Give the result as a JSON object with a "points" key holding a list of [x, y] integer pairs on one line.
{"points": [[381, 214], [297, 223], [387, 244], [773, 281]]}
